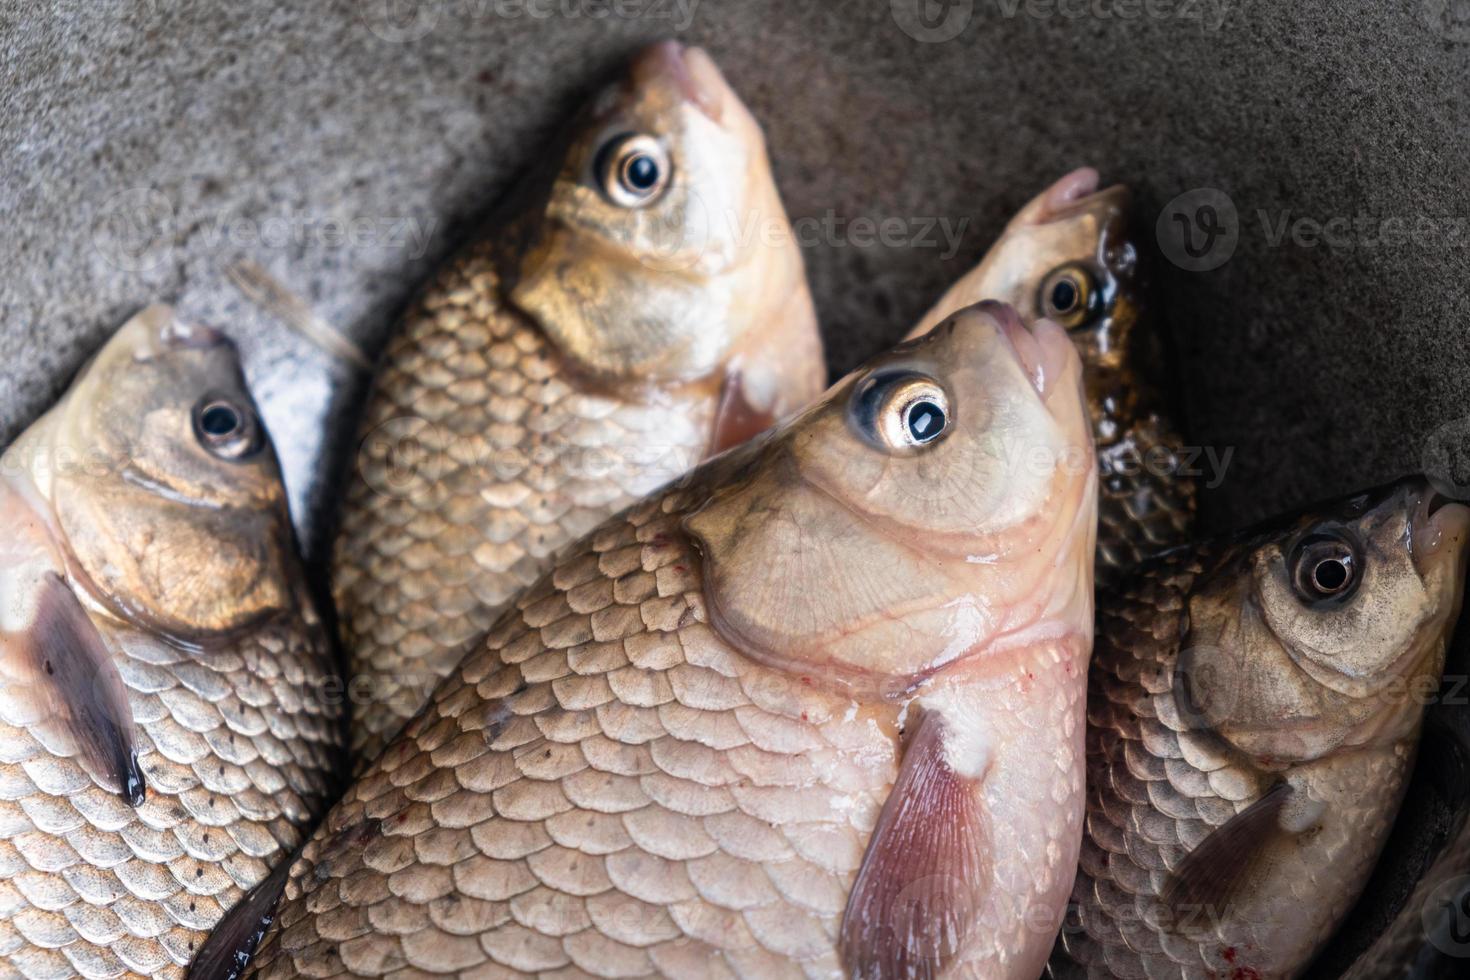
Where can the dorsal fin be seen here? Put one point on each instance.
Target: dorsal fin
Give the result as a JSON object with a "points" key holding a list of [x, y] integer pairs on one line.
{"points": [[1207, 879], [228, 950], [915, 904], [81, 685]]}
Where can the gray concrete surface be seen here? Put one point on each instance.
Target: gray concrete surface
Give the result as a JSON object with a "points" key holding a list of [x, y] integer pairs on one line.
{"points": [[145, 145]]}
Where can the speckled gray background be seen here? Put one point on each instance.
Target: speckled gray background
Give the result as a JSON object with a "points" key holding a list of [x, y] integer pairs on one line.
{"points": [[240, 130]]}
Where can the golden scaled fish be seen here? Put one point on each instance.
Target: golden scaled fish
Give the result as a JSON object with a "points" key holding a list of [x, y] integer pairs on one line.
{"points": [[1069, 255], [815, 710], [638, 308], [1254, 708], [167, 728]]}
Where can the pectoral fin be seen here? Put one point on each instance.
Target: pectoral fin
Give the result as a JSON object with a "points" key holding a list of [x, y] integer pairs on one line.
{"points": [[1209, 877], [736, 419], [230, 947], [916, 902], [73, 668]]}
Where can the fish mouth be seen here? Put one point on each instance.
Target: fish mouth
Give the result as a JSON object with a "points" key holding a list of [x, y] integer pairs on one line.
{"points": [[689, 71], [1042, 351], [1439, 527], [1072, 194], [157, 330]]}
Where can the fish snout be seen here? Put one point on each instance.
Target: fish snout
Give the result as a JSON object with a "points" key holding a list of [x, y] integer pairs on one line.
{"points": [[1043, 350], [1440, 528], [158, 330], [689, 71]]}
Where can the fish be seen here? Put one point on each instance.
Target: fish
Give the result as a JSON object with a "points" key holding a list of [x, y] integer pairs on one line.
{"points": [[1071, 255], [169, 725], [1425, 938], [633, 309], [815, 709], [1254, 707]]}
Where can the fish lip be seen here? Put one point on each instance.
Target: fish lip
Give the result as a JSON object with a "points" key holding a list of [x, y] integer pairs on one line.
{"points": [[157, 330], [1438, 524], [1075, 193], [1041, 351], [690, 70]]}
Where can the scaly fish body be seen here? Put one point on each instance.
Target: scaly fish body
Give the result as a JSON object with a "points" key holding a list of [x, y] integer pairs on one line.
{"points": [[621, 325], [1253, 712], [813, 711], [1069, 255], [164, 735]]}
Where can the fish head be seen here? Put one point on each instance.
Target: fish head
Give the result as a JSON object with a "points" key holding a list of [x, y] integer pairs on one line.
{"points": [[165, 487], [937, 505], [1329, 629], [1070, 256], [663, 252]]}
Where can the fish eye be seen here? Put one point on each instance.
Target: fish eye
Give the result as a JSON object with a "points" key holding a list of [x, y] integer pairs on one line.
{"points": [[900, 411], [225, 428], [632, 169], [1069, 295], [1325, 566]]}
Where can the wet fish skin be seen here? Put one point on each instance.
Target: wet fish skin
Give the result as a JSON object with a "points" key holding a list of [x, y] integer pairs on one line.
{"points": [[1079, 237], [671, 754], [1425, 940], [574, 360], [169, 578], [1226, 706]]}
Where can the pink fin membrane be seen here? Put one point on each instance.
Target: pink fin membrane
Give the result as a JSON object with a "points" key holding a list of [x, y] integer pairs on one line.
{"points": [[916, 903], [80, 684]]}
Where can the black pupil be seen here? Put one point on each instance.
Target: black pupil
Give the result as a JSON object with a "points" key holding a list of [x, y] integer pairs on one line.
{"points": [[641, 172], [1064, 296], [1331, 574], [219, 420], [925, 421]]}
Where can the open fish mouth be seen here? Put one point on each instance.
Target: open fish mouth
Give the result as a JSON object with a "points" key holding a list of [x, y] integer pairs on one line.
{"points": [[1440, 527]]}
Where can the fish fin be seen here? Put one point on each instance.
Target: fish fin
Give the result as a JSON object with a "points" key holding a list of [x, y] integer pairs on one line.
{"points": [[228, 950], [1207, 879], [82, 686], [736, 420], [915, 904]]}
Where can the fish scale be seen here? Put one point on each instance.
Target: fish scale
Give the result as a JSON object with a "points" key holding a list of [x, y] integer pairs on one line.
{"points": [[97, 888], [516, 477], [610, 785], [1159, 786]]}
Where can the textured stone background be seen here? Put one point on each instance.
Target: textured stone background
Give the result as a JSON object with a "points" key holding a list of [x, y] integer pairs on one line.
{"points": [[1324, 368]]}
